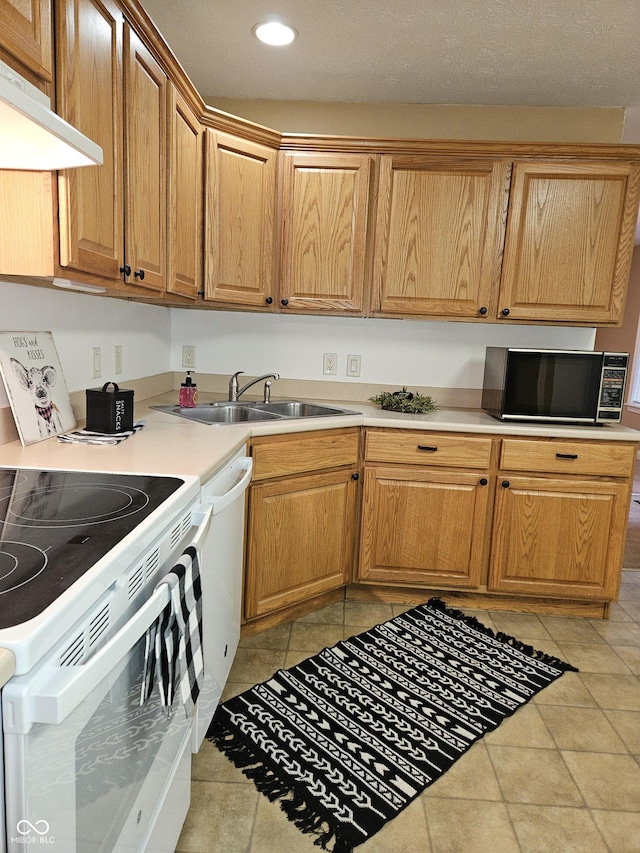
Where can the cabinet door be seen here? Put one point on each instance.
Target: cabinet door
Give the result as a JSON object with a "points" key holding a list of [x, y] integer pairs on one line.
{"points": [[559, 538], [145, 200], [439, 236], [184, 210], [300, 539], [569, 241], [324, 221], [423, 527], [89, 85], [240, 202], [25, 33]]}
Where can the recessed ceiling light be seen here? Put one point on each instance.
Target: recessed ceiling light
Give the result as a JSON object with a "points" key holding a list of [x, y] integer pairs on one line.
{"points": [[275, 33]]}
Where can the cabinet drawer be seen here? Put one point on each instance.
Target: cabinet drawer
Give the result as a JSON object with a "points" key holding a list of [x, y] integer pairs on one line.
{"points": [[607, 459], [282, 455], [428, 448]]}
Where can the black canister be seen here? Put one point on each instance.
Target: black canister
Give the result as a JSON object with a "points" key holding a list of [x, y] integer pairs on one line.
{"points": [[109, 410]]}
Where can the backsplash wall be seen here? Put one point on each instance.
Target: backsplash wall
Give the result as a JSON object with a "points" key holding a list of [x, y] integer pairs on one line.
{"points": [[399, 352], [80, 322]]}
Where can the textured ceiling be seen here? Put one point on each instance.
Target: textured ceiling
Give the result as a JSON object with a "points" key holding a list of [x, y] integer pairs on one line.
{"points": [[527, 52]]}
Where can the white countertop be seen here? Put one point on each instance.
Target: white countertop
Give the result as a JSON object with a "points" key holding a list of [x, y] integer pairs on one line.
{"points": [[171, 445]]}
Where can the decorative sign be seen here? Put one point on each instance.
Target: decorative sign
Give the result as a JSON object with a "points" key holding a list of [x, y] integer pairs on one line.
{"points": [[35, 385]]}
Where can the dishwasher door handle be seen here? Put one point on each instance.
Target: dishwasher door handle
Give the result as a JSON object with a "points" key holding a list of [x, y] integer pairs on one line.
{"points": [[220, 502]]}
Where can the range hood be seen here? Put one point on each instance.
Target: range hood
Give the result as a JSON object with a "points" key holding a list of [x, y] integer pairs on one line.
{"points": [[32, 136]]}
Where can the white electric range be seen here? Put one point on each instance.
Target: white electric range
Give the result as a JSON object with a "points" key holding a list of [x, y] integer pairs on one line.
{"points": [[86, 766]]}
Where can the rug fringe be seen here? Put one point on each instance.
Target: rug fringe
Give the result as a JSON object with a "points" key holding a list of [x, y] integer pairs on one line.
{"points": [[500, 636], [292, 800]]}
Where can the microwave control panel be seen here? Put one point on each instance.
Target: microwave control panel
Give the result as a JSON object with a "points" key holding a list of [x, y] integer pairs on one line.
{"points": [[614, 375]]}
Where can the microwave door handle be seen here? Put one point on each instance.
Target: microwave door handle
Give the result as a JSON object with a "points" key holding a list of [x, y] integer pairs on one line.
{"points": [[220, 502], [66, 686]]}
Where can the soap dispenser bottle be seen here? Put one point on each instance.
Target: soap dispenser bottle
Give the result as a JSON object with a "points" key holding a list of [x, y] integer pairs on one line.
{"points": [[188, 393]]}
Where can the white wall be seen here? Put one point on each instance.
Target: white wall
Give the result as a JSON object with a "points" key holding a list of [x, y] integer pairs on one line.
{"points": [[442, 355], [80, 322]]}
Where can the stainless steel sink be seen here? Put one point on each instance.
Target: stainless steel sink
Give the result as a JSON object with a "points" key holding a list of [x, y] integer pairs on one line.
{"points": [[298, 409], [230, 413], [225, 412]]}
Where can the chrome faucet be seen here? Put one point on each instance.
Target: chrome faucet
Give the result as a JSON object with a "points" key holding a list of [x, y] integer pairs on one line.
{"points": [[235, 391]]}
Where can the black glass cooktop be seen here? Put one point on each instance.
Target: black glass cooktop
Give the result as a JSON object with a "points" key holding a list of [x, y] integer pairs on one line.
{"points": [[55, 525]]}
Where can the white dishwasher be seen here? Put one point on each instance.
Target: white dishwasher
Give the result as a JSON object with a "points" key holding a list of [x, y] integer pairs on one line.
{"points": [[222, 559]]}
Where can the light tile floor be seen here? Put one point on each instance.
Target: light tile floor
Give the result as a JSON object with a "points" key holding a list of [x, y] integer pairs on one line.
{"points": [[561, 775]]}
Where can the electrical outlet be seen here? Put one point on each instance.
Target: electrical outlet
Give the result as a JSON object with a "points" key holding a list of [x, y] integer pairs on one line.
{"points": [[117, 359], [97, 363], [189, 357], [353, 365], [330, 363]]}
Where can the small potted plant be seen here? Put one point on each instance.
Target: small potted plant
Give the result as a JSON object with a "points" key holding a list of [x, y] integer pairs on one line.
{"points": [[404, 401]]}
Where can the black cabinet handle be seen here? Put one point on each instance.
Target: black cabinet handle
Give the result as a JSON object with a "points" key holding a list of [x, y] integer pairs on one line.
{"points": [[505, 484], [269, 300], [483, 481], [482, 310], [201, 294], [139, 274], [427, 448], [566, 455], [355, 476], [126, 269], [284, 302], [505, 312]]}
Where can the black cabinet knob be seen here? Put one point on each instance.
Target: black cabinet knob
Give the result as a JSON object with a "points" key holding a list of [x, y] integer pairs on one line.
{"points": [[126, 269], [483, 481], [505, 484], [355, 476], [284, 301], [505, 312], [269, 300], [139, 274], [482, 310]]}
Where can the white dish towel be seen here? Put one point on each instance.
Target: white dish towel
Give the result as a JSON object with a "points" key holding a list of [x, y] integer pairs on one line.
{"points": [[173, 644]]}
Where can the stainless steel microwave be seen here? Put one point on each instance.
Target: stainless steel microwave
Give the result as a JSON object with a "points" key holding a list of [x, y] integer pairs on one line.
{"points": [[562, 386]]}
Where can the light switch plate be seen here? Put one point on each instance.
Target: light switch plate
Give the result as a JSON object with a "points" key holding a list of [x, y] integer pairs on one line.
{"points": [[353, 365]]}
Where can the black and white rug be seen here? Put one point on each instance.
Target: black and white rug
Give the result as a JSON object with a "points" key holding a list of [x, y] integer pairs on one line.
{"points": [[348, 738]]}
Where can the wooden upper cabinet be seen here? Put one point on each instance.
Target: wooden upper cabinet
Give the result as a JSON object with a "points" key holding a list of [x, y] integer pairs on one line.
{"points": [[324, 207], [439, 234], [89, 91], [25, 33], [569, 241], [184, 211], [240, 199], [145, 86]]}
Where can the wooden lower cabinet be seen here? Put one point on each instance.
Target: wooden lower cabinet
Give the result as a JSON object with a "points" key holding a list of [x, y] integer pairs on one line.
{"points": [[300, 539], [558, 537], [535, 523], [560, 517], [423, 526], [302, 518]]}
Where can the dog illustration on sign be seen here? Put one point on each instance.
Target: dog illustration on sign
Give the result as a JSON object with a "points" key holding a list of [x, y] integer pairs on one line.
{"points": [[35, 385], [39, 381]]}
